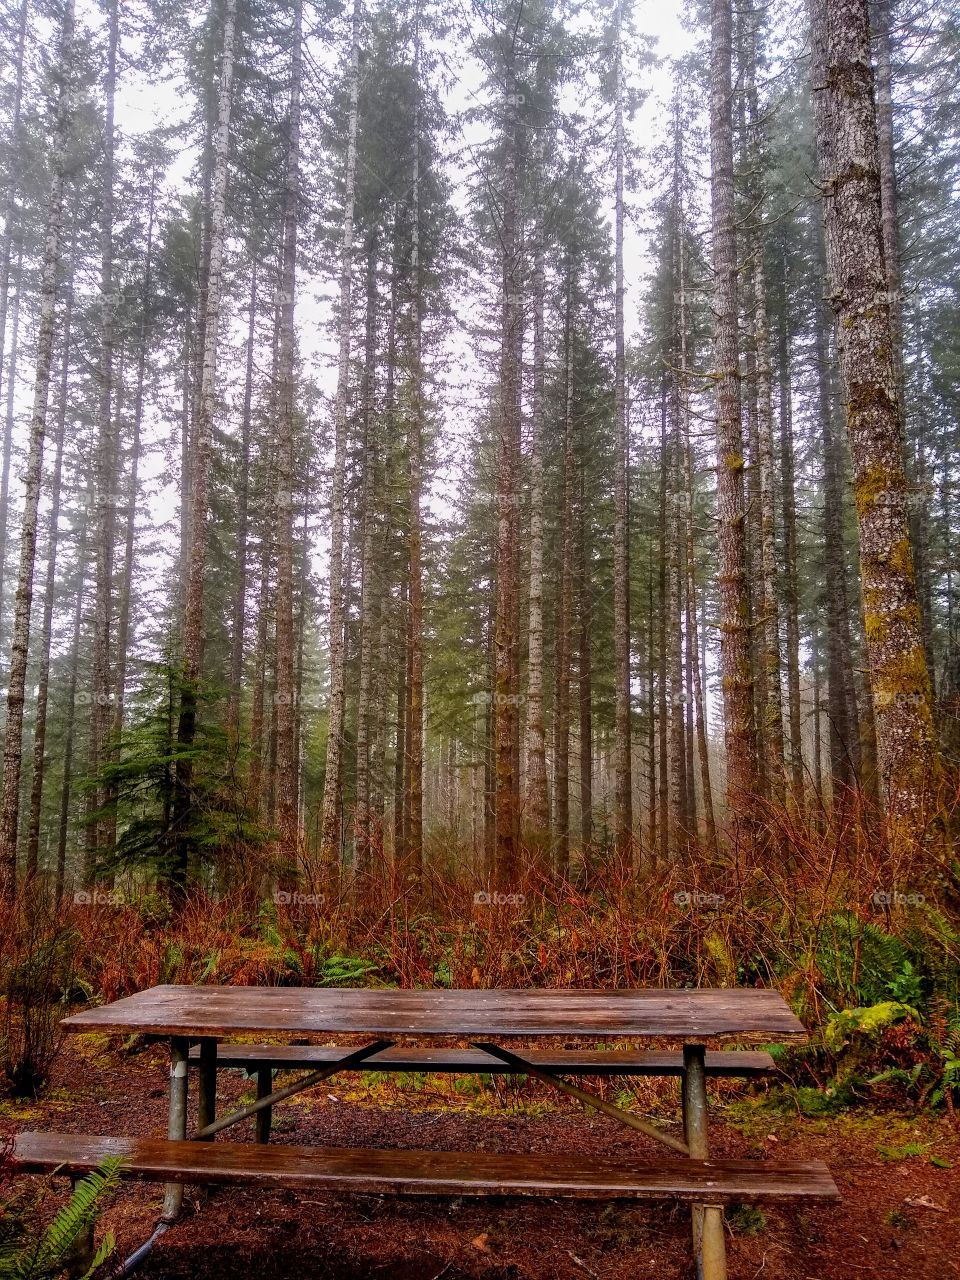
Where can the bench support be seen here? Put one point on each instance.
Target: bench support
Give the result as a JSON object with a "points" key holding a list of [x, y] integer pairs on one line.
{"points": [[709, 1249], [588, 1099], [265, 1101]]}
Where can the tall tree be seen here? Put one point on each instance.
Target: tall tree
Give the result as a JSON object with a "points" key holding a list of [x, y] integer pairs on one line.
{"points": [[848, 150], [106, 471], [330, 819], [735, 658], [621, 534], [33, 472], [285, 694], [192, 642]]}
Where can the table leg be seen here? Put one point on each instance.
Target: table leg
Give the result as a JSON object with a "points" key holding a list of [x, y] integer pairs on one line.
{"points": [[264, 1090], [207, 1100], [708, 1244], [177, 1122]]}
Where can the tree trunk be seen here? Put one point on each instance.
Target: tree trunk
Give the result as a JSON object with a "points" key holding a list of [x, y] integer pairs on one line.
{"points": [[6, 253], [538, 802], [507, 488], [126, 588], [331, 806], [850, 175], [369, 573], [771, 734], [70, 700], [584, 667], [791, 590], [734, 606], [33, 471], [8, 436], [106, 472], [561, 704], [193, 633], [621, 537], [49, 591], [239, 621], [413, 803], [285, 699]]}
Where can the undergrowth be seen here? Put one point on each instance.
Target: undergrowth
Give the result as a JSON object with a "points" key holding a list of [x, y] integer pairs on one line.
{"points": [[863, 941]]}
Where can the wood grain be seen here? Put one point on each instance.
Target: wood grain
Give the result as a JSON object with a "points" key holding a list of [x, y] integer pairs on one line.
{"points": [[222, 1011], [473, 1173]]}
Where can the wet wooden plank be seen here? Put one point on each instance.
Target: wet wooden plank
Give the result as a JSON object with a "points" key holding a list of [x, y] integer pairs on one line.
{"points": [[471, 1173], [223, 1011], [587, 1062]]}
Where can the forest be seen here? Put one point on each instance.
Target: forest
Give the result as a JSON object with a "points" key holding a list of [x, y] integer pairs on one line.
{"points": [[480, 507], [433, 439]]}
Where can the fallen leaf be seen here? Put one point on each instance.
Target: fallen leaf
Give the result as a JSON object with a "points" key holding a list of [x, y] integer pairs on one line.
{"points": [[480, 1242]]}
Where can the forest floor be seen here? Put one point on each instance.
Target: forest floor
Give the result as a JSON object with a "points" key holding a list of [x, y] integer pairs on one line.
{"points": [[899, 1176]]}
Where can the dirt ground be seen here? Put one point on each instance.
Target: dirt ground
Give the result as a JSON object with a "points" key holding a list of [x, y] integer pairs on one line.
{"points": [[899, 1177]]}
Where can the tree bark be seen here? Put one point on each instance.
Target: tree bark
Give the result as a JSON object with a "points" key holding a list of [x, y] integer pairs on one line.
{"points": [[285, 693], [859, 288], [734, 606], [193, 628], [8, 436], [771, 711], [369, 572], [621, 566], [413, 802], [71, 699], [791, 590], [561, 703], [33, 471], [239, 620], [537, 799], [506, 864], [49, 590], [330, 820], [133, 484], [98, 831]]}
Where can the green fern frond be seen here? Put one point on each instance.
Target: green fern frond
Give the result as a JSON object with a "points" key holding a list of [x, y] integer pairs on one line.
{"points": [[47, 1257]]}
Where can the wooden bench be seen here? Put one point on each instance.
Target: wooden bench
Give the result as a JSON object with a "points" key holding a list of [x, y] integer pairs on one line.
{"points": [[579, 1062], [432, 1173]]}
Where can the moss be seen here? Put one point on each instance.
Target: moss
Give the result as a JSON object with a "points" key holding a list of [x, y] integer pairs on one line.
{"points": [[900, 558], [873, 482], [733, 462]]}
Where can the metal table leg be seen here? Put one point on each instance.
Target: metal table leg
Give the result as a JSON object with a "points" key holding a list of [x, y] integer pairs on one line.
{"points": [[708, 1244], [177, 1122], [264, 1117]]}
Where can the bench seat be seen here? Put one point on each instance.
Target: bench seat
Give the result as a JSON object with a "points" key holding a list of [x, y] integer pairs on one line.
{"points": [[581, 1062], [459, 1173]]}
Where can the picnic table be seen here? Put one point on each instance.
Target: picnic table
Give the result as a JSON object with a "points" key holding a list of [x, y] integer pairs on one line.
{"points": [[198, 1020]]}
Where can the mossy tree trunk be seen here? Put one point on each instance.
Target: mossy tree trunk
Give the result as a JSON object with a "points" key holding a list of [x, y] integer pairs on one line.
{"points": [[847, 144]]}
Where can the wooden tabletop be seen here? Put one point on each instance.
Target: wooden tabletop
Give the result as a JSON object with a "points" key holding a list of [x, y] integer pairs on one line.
{"points": [[692, 1015]]}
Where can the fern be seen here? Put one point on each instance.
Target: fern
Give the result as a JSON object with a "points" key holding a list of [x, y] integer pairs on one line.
{"points": [[45, 1258]]}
